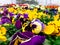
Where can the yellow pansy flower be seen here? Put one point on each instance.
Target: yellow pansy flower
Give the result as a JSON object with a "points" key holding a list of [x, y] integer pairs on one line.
{"points": [[35, 9], [2, 30], [3, 33], [49, 29], [37, 31], [28, 11], [22, 11], [11, 9], [56, 29], [30, 16], [15, 12], [56, 25], [56, 17], [3, 38], [38, 27]]}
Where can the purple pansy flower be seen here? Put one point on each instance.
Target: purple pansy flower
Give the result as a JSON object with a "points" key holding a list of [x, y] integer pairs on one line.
{"points": [[11, 14], [26, 39], [5, 10], [35, 40], [22, 36], [25, 15], [18, 24], [28, 33], [5, 20], [4, 14]]}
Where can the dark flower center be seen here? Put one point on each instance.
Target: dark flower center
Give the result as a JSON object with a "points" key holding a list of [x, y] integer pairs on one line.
{"points": [[33, 26], [22, 20], [28, 28], [39, 9], [26, 8]]}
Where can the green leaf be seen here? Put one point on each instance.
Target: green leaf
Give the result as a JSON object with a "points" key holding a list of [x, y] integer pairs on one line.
{"points": [[47, 42]]}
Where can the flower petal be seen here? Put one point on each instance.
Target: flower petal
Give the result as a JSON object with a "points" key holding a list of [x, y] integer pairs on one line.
{"points": [[5, 20], [39, 26], [24, 35], [11, 14], [25, 15], [36, 40], [18, 24]]}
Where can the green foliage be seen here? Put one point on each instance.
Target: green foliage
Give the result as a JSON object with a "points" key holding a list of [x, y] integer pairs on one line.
{"points": [[52, 40], [45, 19], [4, 43], [11, 29], [47, 42]]}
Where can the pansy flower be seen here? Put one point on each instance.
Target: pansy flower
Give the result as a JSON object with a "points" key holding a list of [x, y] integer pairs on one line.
{"points": [[35, 40], [52, 28], [56, 17], [3, 33], [5, 10], [10, 9], [18, 24], [49, 29], [21, 36], [26, 38], [15, 11], [5, 20], [36, 26], [11, 14], [25, 15]]}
